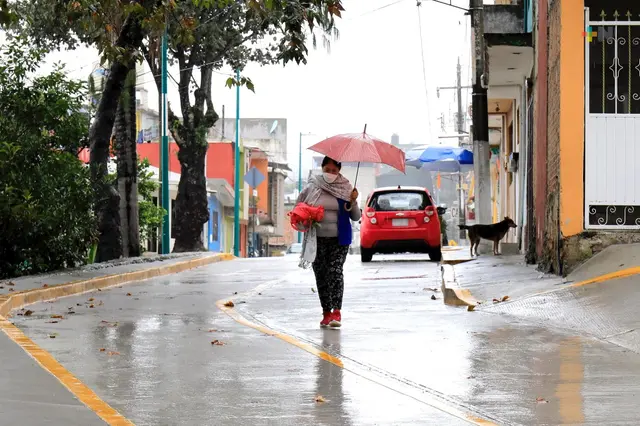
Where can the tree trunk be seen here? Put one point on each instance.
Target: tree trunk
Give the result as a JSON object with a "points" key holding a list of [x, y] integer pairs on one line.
{"points": [[126, 139], [192, 210], [107, 198]]}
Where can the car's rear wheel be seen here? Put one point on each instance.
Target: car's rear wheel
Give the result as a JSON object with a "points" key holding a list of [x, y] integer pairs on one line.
{"points": [[435, 254], [365, 255]]}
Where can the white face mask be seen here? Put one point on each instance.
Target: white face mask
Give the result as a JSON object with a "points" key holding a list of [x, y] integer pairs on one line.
{"points": [[329, 177]]}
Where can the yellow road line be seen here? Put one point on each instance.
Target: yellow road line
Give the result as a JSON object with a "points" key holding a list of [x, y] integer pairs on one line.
{"points": [[68, 380], [610, 276], [47, 361], [236, 316]]}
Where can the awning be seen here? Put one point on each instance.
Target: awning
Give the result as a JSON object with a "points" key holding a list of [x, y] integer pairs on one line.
{"points": [[224, 191]]}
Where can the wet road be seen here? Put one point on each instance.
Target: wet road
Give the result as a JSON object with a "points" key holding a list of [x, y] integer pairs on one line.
{"points": [[401, 357]]}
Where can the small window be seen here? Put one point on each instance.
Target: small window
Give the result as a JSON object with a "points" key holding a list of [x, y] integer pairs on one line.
{"points": [[399, 201]]}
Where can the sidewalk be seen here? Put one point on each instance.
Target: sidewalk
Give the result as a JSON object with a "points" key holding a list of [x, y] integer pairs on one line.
{"points": [[31, 395], [491, 277], [599, 299]]}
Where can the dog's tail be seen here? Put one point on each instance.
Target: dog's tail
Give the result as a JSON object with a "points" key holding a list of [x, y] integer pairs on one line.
{"points": [[463, 226]]}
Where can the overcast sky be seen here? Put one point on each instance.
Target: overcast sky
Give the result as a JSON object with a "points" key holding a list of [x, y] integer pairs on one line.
{"points": [[373, 74]]}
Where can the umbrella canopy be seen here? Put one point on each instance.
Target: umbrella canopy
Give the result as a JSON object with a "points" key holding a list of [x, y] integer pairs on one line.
{"points": [[440, 158], [361, 148]]}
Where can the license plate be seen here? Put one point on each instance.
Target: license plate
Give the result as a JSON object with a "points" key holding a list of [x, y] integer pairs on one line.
{"points": [[400, 222]]}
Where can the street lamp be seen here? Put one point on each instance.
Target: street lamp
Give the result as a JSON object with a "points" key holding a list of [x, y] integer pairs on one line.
{"points": [[300, 172]]}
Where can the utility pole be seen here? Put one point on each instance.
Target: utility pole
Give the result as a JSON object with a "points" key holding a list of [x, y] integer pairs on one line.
{"points": [[460, 129], [236, 207], [481, 150], [164, 151]]}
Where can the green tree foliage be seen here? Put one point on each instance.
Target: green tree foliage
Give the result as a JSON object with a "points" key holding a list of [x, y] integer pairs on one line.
{"points": [[205, 36], [46, 217], [150, 214]]}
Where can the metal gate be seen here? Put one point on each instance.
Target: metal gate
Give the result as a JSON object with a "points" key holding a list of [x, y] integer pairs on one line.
{"points": [[612, 120]]}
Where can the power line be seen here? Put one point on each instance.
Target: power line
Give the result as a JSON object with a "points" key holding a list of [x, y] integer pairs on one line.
{"points": [[424, 69], [375, 10]]}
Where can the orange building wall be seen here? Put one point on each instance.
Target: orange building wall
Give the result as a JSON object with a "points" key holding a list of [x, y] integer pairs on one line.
{"points": [[572, 118], [220, 159], [262, 164], [151, 151]]}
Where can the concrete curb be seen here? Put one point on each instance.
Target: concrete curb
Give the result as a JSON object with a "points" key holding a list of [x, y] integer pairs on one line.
{"points": [[452, 293], [27, 297]]}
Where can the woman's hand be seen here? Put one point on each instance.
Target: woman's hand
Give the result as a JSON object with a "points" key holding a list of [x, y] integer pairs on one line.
{"points": [[354, 195]]}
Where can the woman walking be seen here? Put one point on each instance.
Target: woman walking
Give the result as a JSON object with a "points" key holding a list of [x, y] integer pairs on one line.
{"points": [[333, 237]]}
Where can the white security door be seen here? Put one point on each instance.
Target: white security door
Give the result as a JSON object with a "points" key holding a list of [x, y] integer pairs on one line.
{"points": [[612, 117]]}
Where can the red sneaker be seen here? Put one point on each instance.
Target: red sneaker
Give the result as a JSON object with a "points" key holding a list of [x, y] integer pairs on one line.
{"points": [[336, 319], [326, 319]]}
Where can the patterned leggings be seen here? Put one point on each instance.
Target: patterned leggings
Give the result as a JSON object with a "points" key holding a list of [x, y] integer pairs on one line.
{"points": [[327, 267]]}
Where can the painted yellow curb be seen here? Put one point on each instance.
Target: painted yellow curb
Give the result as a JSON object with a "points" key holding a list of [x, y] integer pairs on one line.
{"points": [[27, 297], [47, 361], [451, 291]]}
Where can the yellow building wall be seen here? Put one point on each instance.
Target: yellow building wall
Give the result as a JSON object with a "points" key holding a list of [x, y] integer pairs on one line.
{"points": [[572, 117]]}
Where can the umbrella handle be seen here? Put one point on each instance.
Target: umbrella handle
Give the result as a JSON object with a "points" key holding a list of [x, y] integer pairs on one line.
{"points": [[354, 187]]}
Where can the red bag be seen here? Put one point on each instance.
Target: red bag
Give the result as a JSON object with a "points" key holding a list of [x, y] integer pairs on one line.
{"points": [[303, 216]]}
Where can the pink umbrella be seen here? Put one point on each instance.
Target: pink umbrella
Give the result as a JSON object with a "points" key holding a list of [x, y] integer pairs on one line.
{"points": [[361, 148]]}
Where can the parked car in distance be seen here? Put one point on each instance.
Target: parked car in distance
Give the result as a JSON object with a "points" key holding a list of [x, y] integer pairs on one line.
{"points": [[400, 219], [295, 248]]}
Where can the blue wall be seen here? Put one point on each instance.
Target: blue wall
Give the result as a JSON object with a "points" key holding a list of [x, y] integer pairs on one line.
{"points": [[214, 229]]}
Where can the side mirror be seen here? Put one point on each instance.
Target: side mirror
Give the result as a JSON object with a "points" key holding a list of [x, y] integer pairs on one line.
{"points": [[441, 210]]}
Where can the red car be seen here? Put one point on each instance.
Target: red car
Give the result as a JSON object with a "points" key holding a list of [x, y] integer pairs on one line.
{"points": [[400, 220]]}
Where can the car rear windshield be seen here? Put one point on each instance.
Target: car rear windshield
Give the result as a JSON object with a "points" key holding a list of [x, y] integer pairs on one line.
{"points": [[399, 201]]}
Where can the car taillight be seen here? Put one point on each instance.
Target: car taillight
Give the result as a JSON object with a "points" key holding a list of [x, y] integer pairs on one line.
{"points": [[426, 219], [429, 211], [374, 220], [371, 214]]}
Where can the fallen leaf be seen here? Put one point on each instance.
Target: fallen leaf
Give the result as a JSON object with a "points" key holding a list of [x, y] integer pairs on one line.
{"points": [[229, 304], [45, 285], [259, 294], [52, 336], [113, 353], [320, 399], [128, 294], [91, 306], [71, 312], [57, 316], [470, 308], [91, 299], [496, 301], [11, 289], [52, 322], [28, 312], [212, 330], [99, 289], [235, 292], [78, 304], [11, 283], [218, 343], [1, 286], [313, 289], [541, 400], [102, 349], [505, 298], [433, 297]]}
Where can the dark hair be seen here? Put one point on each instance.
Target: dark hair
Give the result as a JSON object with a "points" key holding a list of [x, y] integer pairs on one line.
{"points": [[327, 160]]}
